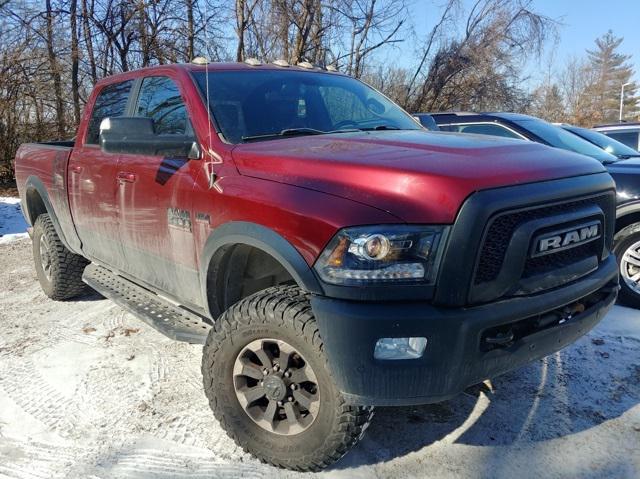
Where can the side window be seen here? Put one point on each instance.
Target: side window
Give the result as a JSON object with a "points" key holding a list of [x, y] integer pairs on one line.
{"points": [[629, 138], [111, 101], [488, 129], [160, 100]]}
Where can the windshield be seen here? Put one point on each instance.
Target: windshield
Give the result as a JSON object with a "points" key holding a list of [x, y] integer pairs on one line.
{"points": [[264, 104], [605, 142], [560, 138]]}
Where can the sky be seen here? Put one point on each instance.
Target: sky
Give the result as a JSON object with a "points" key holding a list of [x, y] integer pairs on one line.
{"points": [[581, 22]]}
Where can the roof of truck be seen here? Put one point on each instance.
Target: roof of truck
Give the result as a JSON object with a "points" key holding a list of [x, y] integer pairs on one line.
{"points": [[212, 67]]}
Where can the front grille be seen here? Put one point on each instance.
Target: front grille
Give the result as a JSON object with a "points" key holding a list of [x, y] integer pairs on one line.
{"points": [[503, 225], [543, 264]]}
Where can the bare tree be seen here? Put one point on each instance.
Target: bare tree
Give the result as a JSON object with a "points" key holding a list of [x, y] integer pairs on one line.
{"points": [[87, 14], [55, 72], [374, 24], [75, 60], [485, 62], [52, 53], [244, 13]]}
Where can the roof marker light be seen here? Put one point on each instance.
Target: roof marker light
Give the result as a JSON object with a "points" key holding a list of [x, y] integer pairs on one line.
{"points": [[281, 63], [254, 62], [307, 65], [200, 61], [331, 68]]}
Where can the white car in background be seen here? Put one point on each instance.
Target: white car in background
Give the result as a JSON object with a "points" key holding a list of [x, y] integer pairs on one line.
{"points": [[627, 133]]}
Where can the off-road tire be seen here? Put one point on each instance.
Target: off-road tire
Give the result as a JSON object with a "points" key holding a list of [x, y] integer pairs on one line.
{"points": [[282, 313], [65, 276], [623, 240]]}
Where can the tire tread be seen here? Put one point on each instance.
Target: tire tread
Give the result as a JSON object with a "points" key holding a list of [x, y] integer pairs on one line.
{"points": [[66, 268], [286, 307]]}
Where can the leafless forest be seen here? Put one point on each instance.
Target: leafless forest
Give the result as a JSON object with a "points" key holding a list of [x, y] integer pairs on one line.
{"points": [[471, 56]]}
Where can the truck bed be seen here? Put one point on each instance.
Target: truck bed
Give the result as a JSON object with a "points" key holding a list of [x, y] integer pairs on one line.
{"points": [[41, 175]]}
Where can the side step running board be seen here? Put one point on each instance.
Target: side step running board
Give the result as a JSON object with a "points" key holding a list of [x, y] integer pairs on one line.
{"points": [[169, 319]]}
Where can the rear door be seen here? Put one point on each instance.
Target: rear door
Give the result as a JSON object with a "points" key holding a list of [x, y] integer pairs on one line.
{"points": [[154, 198], [92, 180]]}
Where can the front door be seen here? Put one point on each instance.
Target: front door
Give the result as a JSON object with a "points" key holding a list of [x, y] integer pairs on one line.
{"points": [[154, 199]]}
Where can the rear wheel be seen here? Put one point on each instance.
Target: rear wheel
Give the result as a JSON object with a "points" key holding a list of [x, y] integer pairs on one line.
{"points": [[59, 270], [627, 250], [268, 383]]}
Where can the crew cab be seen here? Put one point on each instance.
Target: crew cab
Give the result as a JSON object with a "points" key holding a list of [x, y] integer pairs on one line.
{"points": [[330, 253]]}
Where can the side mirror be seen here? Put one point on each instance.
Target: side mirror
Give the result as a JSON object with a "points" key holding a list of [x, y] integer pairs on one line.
{"points": [[136, 136]]}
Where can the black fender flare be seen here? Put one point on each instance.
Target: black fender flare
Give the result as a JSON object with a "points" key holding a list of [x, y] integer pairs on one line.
{"points": [[265, 239], [34, 183]]}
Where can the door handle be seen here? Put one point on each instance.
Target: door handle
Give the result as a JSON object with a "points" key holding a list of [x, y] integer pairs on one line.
{"points": [[77, 169], [126, 176]]}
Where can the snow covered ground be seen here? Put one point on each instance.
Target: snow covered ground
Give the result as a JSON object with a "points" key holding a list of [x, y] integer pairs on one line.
{"points": [[88, 391], [12, 223]]}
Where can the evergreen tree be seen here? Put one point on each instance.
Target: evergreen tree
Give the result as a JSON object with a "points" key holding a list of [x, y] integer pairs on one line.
{"points": [[611, 70]]}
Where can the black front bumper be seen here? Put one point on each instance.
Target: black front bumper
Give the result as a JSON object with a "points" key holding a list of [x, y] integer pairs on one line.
{"points": [[456, 355]]}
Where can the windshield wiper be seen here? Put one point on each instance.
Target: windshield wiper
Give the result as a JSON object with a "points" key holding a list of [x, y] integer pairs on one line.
{"points": [[379, 128], [286, 132], [297, 132]]}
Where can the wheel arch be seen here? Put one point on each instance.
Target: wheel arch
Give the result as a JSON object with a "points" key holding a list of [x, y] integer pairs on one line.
{"points": [[232, 235], [36, 202], [627, 215]]}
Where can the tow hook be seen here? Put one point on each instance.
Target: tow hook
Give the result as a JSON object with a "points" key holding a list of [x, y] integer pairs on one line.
{"points": [[570, 311], [501, 339]]}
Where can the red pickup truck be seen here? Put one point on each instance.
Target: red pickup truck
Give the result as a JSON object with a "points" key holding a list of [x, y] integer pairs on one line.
{"points": [[329, 253]]}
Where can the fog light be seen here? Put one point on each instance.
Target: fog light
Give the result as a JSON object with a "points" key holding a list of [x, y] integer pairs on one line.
{"points": [[400, 348]]}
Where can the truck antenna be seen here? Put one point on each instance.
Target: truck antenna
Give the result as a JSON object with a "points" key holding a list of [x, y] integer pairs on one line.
{"points": [[213, 157], [206, 72]]}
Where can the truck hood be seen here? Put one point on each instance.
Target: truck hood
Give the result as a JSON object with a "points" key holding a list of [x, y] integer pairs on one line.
{"points": [[417, 176]]}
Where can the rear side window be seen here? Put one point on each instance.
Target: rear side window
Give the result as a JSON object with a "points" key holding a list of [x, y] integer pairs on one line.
{"points": [[111, 101], [160, 100], [489, 129], [629, 138]]}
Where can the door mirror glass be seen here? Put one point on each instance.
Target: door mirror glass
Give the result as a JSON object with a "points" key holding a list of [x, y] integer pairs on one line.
{"points": [[137, 136]]}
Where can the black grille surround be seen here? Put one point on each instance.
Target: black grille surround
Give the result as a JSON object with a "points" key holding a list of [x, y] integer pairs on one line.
{"points": [[474, 271], [503, 225]]}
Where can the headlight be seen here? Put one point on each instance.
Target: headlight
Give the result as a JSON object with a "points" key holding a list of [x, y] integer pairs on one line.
{"points": [[382, 254]]}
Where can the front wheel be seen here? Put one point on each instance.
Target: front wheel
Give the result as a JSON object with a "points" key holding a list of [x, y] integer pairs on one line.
{"points": [[267, 380], [627, 250]]}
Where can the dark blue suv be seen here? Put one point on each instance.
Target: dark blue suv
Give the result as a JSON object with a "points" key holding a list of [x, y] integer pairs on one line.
{"points": [[625, 171]]}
